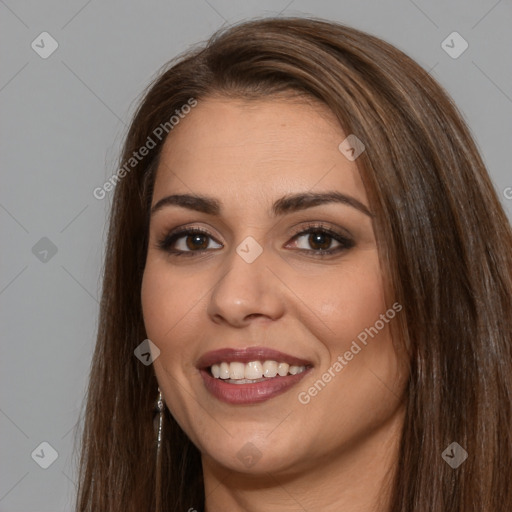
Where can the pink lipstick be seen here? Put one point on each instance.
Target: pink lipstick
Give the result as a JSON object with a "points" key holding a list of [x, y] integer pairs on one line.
{"points": [[252, 375]]}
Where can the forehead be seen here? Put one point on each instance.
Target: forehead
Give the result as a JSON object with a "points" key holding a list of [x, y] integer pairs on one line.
{"points": [[256, 149]]}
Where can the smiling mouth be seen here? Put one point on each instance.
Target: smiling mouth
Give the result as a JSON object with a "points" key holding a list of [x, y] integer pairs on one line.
{"points": [[250, 376], [236, 372]]}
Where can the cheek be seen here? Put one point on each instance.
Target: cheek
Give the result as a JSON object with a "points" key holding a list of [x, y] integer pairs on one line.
{"points": [[348, 302], [166, 300], [352, 322], [164, 306], [168, 319], [155, 295], [361, 370]]}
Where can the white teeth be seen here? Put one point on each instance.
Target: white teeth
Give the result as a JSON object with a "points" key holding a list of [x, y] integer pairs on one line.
{"points": [[216, 370], [282, 369], [253, 370], [236, 370], [246, 373], [224, 370], [269, 369]]}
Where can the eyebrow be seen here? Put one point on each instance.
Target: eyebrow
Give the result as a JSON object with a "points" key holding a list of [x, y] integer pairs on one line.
{"points": [[287, 204]]}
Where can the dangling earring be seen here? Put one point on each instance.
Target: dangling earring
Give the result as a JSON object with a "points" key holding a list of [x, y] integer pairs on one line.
{"points": [[159, 418], [158, 422]]}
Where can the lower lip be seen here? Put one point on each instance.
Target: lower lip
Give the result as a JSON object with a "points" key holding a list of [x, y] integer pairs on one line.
{"points": [[256, 392]]}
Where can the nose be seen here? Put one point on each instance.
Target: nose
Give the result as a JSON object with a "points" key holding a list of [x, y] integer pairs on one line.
{"points": [[246, 291]]}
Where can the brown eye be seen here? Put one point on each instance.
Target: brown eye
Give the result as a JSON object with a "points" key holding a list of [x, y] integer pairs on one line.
{"points": [[187, 242], [320, 241], [196, 242]]}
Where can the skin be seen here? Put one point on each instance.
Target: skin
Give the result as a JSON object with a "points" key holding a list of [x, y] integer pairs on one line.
{"points": [[340, 447]]}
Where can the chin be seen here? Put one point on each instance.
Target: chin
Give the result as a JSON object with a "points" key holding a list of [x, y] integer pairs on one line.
{"points": [[255, 455]]}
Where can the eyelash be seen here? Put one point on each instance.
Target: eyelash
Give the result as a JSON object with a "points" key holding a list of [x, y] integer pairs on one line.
{"points": [[168, 240]]}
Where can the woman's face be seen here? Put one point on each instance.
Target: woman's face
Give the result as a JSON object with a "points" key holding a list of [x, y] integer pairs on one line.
{"points": [[275, 347]]}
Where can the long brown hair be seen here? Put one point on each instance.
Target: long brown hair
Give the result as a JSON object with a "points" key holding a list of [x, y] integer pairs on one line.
{"points": [[445, 246]]}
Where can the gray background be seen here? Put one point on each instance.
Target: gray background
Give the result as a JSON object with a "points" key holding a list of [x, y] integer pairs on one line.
{"points": [[63, 119]]}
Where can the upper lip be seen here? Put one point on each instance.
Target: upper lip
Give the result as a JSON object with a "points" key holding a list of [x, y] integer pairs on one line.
{"points": [[246, 355]]}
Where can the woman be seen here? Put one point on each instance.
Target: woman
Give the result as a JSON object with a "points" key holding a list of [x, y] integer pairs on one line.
{"points": [[305, 232]]}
